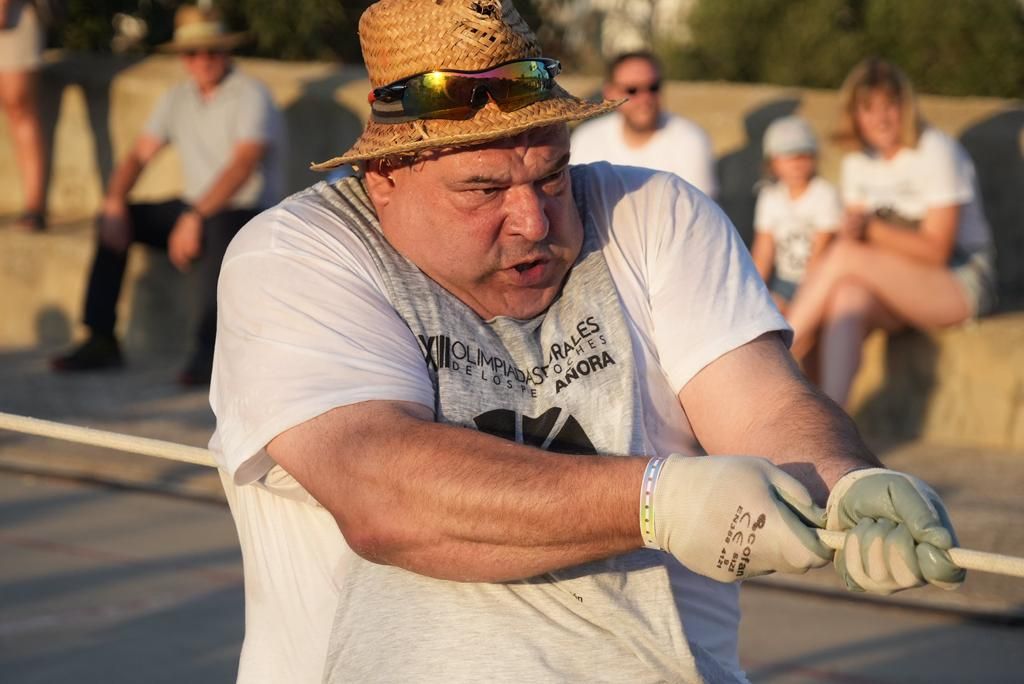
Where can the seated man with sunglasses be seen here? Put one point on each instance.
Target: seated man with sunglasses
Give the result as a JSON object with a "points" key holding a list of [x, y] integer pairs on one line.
{"points": [[464, 399], [640, 132], [231, 141]]}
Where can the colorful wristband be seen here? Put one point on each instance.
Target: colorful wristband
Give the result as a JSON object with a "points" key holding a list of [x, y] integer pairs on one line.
{"points": [[647, 486]]}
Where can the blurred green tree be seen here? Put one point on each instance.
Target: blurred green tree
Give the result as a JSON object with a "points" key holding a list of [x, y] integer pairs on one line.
{"points": [[966, 47], [280, 29], [299, 29], [88, 24]]}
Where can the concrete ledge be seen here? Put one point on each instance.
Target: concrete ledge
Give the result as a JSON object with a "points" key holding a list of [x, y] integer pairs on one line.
{"points": [[961, 386], [42, 288], [93, 106]]}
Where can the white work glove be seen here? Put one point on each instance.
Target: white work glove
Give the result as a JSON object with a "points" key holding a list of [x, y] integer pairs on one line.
{"points": [[734, 517], [897, 533]]}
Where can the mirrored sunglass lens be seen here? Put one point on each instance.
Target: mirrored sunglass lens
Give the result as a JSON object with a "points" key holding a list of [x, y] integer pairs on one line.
{"points": [[439, 94], [456, 95], [516, 85], [452, 95]]}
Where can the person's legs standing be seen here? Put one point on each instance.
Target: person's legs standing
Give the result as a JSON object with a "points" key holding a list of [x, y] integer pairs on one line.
{"points": [[21, 46], [218, 231], [18, 92]]}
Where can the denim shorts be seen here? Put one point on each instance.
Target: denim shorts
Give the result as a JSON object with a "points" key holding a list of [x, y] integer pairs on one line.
{"points": [[975, 270], [784, 288]]}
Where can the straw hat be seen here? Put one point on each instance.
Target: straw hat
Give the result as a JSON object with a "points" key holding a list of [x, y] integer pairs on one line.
{"points": [[200, 29], [403, 38]]}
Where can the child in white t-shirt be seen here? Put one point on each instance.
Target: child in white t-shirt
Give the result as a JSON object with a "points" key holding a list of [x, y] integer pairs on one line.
{"points": [[797, 214]]}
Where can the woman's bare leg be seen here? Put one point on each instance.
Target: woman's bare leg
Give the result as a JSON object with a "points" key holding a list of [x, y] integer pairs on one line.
{"points": [[920, 295], [18, 94], [852, 313], [857, 288]]}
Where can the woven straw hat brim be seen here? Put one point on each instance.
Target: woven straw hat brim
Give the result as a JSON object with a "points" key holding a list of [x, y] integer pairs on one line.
{"points": [[490, 123], [226, 43]]}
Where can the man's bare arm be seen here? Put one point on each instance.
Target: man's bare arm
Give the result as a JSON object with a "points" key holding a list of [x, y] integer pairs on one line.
{"points": [[457, 504], [130, 168], [755, 401]]}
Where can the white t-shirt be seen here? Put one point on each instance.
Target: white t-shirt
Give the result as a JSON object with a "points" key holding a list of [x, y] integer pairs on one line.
{"points": [[793, 223], [205, 133], [936, 173], [305, 326], [679, 146]]}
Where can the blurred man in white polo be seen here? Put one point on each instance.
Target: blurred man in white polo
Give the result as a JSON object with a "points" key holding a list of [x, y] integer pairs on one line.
{"points": [[640, 132], [231, 140]]}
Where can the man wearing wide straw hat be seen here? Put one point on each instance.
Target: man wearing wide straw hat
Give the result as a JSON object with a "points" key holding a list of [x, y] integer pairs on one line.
{"points": [[230, 138], [463, 399]]}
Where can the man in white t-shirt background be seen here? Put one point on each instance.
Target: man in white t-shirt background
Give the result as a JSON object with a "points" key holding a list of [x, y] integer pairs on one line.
{"points": [[640, 132]]}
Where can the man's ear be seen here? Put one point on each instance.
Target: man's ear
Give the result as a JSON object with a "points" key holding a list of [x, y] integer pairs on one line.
{"points": [[379, 183]]}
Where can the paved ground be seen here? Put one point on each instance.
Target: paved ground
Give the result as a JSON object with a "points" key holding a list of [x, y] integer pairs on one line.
{"points": [[797, 639], [109, 586]]}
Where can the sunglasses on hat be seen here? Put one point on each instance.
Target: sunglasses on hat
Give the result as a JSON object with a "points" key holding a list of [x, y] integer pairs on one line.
{"points": [[459, 94]]}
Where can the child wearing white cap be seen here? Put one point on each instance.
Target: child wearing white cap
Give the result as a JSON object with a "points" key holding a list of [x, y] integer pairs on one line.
{"points": [[797, 214]]}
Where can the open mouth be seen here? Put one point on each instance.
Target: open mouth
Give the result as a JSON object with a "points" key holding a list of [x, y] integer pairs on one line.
{"points": [[526, 266], [530, 273]]}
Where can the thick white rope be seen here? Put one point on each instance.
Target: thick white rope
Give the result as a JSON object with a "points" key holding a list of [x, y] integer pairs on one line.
{"points": [[982, 561], [109, 440], [970, 560]]}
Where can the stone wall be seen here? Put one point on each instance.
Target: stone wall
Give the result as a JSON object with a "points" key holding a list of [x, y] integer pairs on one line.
{"points": [[94, 106], [958, 386]]}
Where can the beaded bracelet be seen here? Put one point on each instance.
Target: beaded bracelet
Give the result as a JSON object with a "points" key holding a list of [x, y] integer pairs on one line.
{"points": [[651, 474]]}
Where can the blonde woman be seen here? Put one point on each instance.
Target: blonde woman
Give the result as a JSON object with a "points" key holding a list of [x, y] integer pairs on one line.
{"points": [[21, 45], [914, 248]]}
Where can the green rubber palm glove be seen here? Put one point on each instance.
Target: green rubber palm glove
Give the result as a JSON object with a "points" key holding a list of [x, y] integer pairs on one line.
{"points": [[734, 517], [897, 533]]}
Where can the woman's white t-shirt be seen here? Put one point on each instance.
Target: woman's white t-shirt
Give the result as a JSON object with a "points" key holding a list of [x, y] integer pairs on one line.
{"points": [[936, 173]]}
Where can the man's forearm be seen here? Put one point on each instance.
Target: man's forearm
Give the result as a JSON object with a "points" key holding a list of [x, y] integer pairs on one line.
{"points": [[815, 440], [458, 504], [755, 401], [224, 188], [123, 179]]}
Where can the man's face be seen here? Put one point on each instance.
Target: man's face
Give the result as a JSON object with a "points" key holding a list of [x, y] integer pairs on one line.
{"points": [[638, 80], [495, 225], [206, 67]]}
